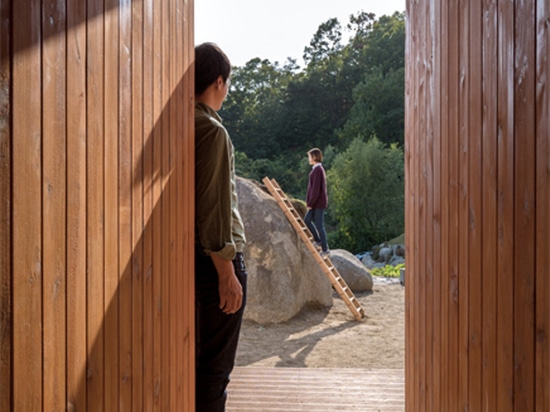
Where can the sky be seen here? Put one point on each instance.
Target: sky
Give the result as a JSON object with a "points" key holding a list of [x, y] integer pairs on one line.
{"points": [[275, 30]]}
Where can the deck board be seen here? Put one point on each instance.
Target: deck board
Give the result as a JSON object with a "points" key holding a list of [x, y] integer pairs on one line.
{"points": [[254, 389]]}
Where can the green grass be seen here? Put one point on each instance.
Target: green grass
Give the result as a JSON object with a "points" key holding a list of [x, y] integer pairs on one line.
{"points": [[399, 240]]}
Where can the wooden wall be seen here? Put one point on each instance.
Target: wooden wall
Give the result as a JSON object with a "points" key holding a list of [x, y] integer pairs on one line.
{"points": [[478, 205], [96, 209]]}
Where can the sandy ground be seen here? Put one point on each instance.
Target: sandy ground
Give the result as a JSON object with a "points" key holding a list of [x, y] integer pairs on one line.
{"points": [[331, 338]]}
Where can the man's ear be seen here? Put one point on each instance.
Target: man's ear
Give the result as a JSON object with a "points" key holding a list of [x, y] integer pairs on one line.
{"points": [[219, 82]]}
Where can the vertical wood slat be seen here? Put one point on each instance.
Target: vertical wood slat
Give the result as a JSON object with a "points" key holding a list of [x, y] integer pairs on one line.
{"points": [[489, 203], [542, 241], [110, 308], [505, 190], [462, 106], [181, 214], [148, 207], [26, 216], [453, 205], [125, 205], [435, 99], [189, 187], [157, 185], [95, 200], [524, 205], [410, 124], [166, 223], [190, 173], [76, 205], [5, 208], [136, 9], [444, 198], [429, 207], [172, 193], [474, 134], [54, 152], [421, 281]]}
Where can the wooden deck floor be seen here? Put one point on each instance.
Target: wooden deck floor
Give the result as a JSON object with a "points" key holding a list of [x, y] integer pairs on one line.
{"points": [[255, 389]]}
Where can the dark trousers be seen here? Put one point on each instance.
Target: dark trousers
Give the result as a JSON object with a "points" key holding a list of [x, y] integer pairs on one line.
{"points": [[217, 335], [315, 222]]}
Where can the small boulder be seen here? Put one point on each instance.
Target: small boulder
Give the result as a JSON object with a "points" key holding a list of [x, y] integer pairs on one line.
{"points": [[352, 270]]}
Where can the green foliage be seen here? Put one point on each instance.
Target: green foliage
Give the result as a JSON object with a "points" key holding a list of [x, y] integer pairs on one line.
{"points": [[379, 107], [388, 271], [348, 92], [366, 188]]}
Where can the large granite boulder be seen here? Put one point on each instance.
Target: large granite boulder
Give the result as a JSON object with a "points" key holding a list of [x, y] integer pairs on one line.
{"points": [[352, 270], [283, 277]]}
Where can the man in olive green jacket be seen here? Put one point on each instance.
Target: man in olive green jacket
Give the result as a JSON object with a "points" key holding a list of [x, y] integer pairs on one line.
{"points": [[220, 273]]}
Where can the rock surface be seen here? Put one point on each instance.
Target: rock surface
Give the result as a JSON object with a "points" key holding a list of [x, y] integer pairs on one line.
{"points": [[356, 275]]}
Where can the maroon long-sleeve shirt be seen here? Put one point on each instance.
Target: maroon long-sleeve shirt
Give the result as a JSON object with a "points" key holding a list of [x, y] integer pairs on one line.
{"points": [[316, 196]]}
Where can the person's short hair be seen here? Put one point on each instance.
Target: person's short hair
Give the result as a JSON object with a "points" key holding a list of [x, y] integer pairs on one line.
{"points": [[210, 62], [316, 155]]}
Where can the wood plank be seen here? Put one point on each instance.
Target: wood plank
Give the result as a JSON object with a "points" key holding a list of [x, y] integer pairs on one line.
{"points": [[410, 222], [453, 205], [190, 170], [505, 286], [524, 206], [463, 192], [168, 402], [112, 271], [436, 98], [315, 389], [125, 207], [148, 181], [422, 194], [54, 164], [444, 201], [5, 210], [489, 199], [158, 318], [137, 199], [187, 201], [95, 212], [27, 392], [542, 241], [474, 212], [76, 206], [182, 191], [173, 205]]}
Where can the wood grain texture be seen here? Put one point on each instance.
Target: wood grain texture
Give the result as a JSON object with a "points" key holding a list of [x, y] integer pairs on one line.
{"points": [[477, 192], [97, 238]]}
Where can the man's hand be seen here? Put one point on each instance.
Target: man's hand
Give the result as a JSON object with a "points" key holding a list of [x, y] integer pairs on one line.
{"points": [[230, 289]]}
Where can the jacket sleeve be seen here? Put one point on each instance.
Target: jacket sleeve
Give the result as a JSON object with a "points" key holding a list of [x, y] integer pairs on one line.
{"points": [[213, 194]]}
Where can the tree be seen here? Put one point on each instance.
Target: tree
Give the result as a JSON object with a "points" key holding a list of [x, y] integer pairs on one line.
{"points": [[378, 96], [256, 97], [326, 42], [366, 192], [379, 108]]}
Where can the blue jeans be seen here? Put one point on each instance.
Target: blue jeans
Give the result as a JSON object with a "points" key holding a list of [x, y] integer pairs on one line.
{"points": [[217, 334], [315, 222]]}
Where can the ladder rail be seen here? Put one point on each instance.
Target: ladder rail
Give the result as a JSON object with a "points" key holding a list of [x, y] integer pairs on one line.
{"points": [[336, 280]]}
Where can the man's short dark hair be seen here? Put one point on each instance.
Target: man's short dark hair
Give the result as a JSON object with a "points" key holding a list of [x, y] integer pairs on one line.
{"points": [[210, 62]]}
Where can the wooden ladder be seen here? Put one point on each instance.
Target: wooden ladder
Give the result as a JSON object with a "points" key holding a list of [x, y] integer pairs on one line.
{"points": [[325, 263]]}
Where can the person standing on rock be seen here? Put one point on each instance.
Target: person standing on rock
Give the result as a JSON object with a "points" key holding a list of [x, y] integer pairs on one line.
{"points": [[220, 273], [317, 200]]}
